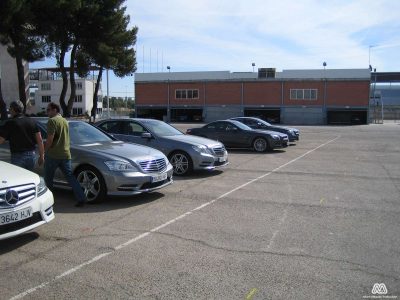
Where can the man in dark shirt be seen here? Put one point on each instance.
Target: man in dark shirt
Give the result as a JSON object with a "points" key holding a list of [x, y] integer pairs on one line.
{"points": [[23, 134]]}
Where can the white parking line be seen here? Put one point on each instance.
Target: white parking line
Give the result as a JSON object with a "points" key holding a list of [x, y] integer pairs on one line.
{"points": [[141, 236]]}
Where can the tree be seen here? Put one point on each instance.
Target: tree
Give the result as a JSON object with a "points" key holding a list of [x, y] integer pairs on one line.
{"points": [[19, 33], [56, 21], [112, 46]]}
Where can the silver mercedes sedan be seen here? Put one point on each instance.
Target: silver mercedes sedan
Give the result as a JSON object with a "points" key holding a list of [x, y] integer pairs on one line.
{"points": [[186, 153], [106, 166]]}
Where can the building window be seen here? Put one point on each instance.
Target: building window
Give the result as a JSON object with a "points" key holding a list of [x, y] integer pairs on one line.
{"points": [[303, 94], [46, 99], [186, 94], [78, 98], [46, 86], [77, 111], [79, 85]]}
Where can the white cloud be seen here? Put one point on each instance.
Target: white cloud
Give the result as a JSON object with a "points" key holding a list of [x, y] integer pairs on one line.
{"points": [[214, 35]]}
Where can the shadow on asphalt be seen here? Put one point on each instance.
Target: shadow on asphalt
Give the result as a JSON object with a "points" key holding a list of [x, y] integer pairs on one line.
{"points": [[250, 151], [11, 244], [64, 202]]}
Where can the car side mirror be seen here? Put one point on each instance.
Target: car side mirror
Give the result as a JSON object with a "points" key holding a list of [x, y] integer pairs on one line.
{"points": [[146, 135]]}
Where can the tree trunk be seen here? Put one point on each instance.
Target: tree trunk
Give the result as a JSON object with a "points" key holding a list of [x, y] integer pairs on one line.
{"points": [[21, 76], [72, 80], [3, 106], [64, 76], [96, 91]]}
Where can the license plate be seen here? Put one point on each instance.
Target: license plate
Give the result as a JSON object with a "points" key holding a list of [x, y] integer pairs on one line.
{"points": [[15, 216], [158, 178], [221, 159]]}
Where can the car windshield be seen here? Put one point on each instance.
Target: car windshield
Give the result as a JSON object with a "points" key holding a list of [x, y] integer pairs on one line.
{"points": [[241, 125], [161, 129], [82, 133], [264, 122]]}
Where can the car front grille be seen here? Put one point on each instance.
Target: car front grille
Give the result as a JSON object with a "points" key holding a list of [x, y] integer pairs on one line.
{"points": [[219, 151], [153, 166], [25, 194]]}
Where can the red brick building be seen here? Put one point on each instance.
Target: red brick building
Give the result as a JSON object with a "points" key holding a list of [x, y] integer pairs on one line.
{"points": [[290, 96]]}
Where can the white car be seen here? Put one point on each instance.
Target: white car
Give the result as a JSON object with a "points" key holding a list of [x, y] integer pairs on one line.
{"points": [[25, 201]]}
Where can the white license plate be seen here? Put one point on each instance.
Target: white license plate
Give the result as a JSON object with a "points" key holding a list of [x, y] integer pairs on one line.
{"points": [[221, 159], [16, 216], [160, 177]]}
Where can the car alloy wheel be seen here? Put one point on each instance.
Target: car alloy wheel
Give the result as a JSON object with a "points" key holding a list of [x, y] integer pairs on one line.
{"points": [[260, 145], [181, 163], [92, 184]]}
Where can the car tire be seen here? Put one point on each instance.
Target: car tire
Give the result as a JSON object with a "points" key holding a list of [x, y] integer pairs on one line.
{"points": [[181, 162], [260, 144], [92, 183]]}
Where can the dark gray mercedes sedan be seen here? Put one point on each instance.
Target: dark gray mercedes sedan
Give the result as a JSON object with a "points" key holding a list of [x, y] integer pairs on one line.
{"points": [[235, 134], [185, 152]]}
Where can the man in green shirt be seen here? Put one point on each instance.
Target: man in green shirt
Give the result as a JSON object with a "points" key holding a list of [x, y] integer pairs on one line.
{"points": [[58, 153]]}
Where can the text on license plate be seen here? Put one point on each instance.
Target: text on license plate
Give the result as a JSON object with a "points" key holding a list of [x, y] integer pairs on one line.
{"points": [[16, 216], [158, 178]]}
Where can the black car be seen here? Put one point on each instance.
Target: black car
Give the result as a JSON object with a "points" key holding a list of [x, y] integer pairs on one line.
{"points": [[234, 134], [256, 123]]}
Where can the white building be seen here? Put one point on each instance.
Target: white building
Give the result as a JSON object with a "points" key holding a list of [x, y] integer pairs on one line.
{"points": [[47, 85], [9, 77]]}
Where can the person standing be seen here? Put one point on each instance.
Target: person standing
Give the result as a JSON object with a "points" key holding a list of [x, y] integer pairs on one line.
{"points": [[23, 134], [58, 154]]}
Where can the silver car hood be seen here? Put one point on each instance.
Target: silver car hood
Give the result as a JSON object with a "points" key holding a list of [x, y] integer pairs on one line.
{"points": [[194, 140], [133, 152]]}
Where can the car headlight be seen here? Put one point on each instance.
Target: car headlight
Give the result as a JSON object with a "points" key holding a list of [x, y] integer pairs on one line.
{"points": [[275, 137], [41, 187], [202, 149], [118, 165]]}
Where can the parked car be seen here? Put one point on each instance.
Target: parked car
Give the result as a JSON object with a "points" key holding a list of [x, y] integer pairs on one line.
{"points": [[25, 201], [186, 153], [234, 134], [256, 123], [104, 165]]}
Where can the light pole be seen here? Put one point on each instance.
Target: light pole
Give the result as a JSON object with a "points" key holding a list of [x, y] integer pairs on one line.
{"points": [[126, 97], [325, 83], [108, 97], [253, 65], [369, 55], [168, 96]]}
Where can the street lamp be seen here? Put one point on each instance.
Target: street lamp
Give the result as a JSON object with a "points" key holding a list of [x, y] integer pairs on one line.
{"points": [[324, 64], [253, 65], [369, 55], [169, 69]]}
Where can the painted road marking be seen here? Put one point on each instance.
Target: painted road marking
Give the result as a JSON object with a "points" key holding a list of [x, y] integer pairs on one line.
{"points": [[251, 294], [143, 235]]}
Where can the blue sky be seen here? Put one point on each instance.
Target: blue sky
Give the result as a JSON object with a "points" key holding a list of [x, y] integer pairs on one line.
{"points": [[215, 35]]}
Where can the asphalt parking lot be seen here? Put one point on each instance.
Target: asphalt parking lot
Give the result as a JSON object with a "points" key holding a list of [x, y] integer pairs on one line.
{"points": [[317, 220]]}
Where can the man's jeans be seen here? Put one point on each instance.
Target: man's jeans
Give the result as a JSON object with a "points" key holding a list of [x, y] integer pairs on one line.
{"points": [[24, 159], [50, 166]]}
